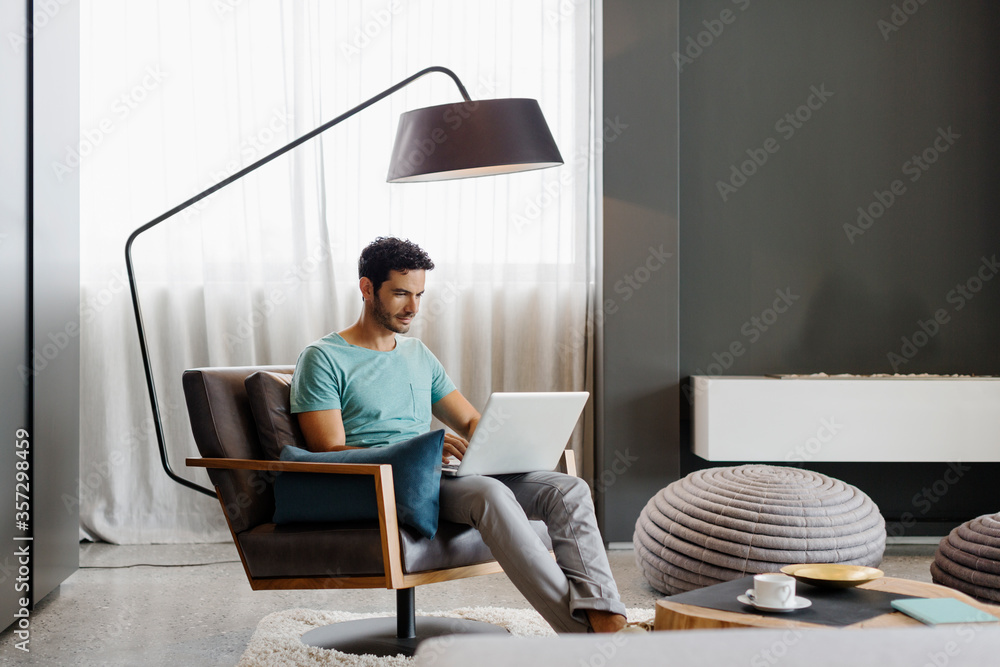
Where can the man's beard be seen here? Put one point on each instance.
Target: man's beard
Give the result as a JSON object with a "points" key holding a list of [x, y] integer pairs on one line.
{"points": [[383, 317]]}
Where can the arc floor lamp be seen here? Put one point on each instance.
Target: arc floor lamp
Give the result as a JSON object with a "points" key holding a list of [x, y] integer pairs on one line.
{"points": [[447, 141]]}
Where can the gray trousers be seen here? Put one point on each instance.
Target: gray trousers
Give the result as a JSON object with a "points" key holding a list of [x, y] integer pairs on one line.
{"points": [[500, 506]]}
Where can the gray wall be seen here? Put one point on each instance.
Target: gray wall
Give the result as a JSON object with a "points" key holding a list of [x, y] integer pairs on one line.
{"points": [[39, 269], [56, 297], [859, 290], [14, 278], [637, 364], [883, 86], [878, 90]]}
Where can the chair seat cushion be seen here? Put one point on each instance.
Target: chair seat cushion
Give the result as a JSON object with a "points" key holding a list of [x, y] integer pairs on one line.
{"points": [[354, 550], [455, 545], [318, 497]]}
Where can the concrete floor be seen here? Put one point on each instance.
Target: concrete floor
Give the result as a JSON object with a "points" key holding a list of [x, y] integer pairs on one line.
{"points": [[190, 605]]}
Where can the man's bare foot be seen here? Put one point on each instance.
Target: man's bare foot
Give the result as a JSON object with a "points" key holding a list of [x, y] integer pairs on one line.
{"points": [[605, 621]]}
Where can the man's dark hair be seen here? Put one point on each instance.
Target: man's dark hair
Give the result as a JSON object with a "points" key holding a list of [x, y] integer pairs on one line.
{"points": [[386, 254]]}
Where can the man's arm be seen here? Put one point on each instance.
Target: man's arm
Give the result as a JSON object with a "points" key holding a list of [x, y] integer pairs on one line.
{"points": [[323, 430], [455, 412]]}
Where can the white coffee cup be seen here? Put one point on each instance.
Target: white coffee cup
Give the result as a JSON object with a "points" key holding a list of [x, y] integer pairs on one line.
{"points": [[773, 590]]}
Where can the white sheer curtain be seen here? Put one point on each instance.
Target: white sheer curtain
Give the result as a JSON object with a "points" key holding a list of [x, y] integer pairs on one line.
{"points": [[179, 94]]}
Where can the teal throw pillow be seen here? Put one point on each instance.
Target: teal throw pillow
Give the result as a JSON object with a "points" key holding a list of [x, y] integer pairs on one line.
{"points": [[416, 478]]}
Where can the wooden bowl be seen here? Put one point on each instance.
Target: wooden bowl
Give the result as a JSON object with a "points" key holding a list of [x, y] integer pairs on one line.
{"points": [[832, 575]]}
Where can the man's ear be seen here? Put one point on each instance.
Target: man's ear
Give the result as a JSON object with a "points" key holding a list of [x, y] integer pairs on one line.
{"points": [[367, 288]]}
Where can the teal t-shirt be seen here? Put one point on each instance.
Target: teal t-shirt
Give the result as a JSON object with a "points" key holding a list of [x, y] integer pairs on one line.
{"points": [[384, 397]]}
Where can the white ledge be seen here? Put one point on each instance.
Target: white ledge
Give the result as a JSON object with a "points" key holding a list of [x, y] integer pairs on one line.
{"points": [[866, 419]]}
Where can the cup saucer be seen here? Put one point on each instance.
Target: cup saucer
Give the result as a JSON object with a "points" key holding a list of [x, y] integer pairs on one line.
{"points": [[800, 603]]}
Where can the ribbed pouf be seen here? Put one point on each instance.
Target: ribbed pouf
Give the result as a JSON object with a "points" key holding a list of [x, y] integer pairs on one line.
{"points": [[968, 560], [720, 524]]}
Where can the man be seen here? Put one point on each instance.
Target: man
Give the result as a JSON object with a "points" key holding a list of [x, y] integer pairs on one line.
{"points": [[367, 386]]}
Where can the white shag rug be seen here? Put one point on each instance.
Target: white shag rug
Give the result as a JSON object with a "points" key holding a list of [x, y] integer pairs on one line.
{"points": [[275, 642]]}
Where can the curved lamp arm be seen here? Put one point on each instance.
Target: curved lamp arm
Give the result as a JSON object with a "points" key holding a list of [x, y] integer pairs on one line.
{"points": [[143, 347]]}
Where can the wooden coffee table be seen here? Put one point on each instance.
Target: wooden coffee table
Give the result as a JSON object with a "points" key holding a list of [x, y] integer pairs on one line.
{"points": [[680, 616]]}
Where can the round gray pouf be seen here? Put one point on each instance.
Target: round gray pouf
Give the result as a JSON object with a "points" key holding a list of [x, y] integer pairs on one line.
{"points": [[968, 560], [720, 524]]}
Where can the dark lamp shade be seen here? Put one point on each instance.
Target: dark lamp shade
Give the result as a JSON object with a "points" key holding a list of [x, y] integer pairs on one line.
{"points": [[477, 138]]}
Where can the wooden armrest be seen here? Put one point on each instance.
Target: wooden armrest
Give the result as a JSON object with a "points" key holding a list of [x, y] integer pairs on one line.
{"points": [[373, 469], [384, 495], [567, 463]]}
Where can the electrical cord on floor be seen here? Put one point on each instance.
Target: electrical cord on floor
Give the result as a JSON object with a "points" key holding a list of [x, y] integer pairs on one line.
{"points": [[121, 567]]}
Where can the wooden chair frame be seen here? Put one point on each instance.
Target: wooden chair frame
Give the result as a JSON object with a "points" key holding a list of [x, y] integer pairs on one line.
{"points": [[392, 561], [368, 635]]}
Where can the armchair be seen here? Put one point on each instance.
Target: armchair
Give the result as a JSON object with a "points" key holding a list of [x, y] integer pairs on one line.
{"points": [[358, 554]]}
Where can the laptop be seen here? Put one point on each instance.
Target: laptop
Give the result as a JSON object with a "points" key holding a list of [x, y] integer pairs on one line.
{"points": [[520, 432]]}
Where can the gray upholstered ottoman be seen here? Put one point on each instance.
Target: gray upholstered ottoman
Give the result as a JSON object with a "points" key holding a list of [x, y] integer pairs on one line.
{"points": [[968, 560], [720, 524]]}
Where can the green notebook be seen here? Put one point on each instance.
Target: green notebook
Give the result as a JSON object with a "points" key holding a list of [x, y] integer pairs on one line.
{"points": [[934, 611]]}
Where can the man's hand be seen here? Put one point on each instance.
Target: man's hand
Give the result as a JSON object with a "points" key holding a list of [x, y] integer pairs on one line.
{"points": [[454, 446], [457, 413]]}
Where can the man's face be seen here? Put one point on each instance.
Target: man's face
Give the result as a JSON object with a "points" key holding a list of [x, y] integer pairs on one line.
{"points": [[398, 299]]}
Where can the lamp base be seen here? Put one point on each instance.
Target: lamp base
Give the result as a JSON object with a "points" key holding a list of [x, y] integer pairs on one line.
{"points": [[377, 636]]}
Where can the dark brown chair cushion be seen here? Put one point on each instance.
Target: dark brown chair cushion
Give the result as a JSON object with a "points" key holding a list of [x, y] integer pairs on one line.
{"points": [[269, 401]]}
